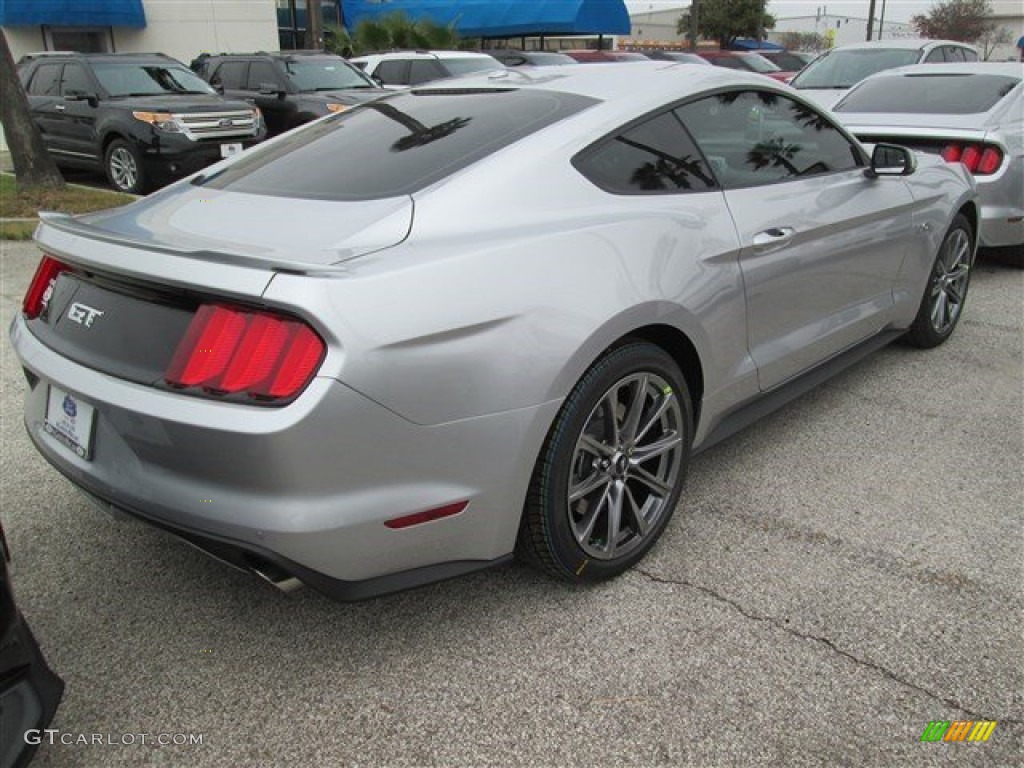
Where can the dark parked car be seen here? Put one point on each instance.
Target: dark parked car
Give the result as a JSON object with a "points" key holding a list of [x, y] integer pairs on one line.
{"points": [[142, 118], [291, 88], [29, 690]]}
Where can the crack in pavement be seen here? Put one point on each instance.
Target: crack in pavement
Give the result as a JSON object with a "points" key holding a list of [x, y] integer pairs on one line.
{"points": [[821, 640]]}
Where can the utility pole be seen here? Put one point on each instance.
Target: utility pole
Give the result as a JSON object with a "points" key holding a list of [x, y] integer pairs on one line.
{"points": [[694, 23], [881, 21], [871, 19], [315, 25]]}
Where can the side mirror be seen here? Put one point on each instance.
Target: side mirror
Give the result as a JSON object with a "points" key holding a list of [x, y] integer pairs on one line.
{"points": [[892, 160], [271, 89]]}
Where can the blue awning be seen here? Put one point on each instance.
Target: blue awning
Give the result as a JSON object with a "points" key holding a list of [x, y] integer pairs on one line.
{"points": [[745, 44], [72, 13], [502, 18]]}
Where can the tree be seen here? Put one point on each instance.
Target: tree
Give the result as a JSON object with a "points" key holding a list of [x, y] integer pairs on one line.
{"points": [[964, 20], [395, 30], [33, 166], [803, 41], [993, 38], [727, 20]]}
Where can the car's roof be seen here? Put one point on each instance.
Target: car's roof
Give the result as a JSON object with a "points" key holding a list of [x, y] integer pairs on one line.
{"points": [[902, 43], [1009, 68]]}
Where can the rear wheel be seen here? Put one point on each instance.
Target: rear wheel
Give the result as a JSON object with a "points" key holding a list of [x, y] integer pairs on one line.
{"points": [[611, 470], [944, 297], [123, 165]]}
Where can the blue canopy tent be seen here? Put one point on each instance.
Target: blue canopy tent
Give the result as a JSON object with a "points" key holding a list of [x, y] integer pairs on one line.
{"points": [[73, 13], [502, 18]]}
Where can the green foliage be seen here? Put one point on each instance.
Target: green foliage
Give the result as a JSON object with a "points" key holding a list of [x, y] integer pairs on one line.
{"points": [[803, 41], [395, 31], [727, 20], [965, 20]]}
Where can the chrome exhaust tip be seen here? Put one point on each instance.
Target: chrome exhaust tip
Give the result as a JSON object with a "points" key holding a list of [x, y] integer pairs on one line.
{"points": [[277, 578]]}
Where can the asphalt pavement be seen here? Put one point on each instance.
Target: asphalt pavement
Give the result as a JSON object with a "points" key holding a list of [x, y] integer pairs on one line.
{"points": [[836, 577]]}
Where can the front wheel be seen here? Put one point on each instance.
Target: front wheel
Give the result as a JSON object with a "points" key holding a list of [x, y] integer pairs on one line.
{"points": [[611, 470], [944, 297], [123, 164]]}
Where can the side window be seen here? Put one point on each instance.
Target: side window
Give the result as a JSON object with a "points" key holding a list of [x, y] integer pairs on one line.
{"points": [[46, 80], [969, 55], [260, 73], [75, 79], [654, 157], [425, 70], [230, 75], [756, 137], [954, 53], [393, 72], [935, 57]]}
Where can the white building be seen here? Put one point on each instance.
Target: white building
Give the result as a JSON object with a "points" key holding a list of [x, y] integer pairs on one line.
{"points": [[836, 30]]}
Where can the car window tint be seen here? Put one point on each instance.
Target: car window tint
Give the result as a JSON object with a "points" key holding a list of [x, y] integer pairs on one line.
{"points": [[941, 93], [262, 73], [655, 156], [425, 70], [843, 68], [403, 143], [75, 79], [969, 55], [231, 75], [46, 80], [757, 137], [393, 72], [954, 53], [729, 62]]}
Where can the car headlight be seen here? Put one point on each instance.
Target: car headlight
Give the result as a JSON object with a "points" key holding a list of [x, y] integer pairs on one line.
{"points": [[337, 107], [161, 121], [257, 118]]}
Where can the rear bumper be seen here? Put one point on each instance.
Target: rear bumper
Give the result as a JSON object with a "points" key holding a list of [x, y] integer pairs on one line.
{"points": [[1001, 225], [307, 487]]}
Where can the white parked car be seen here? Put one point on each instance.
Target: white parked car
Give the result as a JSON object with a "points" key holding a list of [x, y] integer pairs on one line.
{"points": [[400, 69]]}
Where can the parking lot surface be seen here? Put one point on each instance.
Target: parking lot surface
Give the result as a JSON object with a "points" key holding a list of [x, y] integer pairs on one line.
{"points": [[835, 578]]}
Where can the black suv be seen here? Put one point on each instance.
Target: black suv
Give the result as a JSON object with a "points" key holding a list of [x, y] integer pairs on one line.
{"points": [[292, 88], [142, 118]]}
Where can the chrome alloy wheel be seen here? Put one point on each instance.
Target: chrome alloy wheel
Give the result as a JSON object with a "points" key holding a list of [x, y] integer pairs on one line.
{"points": [[625, 465], [123, 169], [949, 281]]}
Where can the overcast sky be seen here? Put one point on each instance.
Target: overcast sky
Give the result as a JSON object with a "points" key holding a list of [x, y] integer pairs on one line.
{"points": [[895, 10]]}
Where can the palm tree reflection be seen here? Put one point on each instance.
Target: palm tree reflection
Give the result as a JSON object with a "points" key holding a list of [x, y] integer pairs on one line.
{"points": [[419, 134]]}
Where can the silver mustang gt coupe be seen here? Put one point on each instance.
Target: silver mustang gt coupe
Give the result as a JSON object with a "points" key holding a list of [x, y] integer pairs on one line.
{"points": [[488, 316]]}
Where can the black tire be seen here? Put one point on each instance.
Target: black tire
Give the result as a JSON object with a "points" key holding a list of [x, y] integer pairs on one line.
{"points": [[571, 539], [122, 163], [943, 301]]}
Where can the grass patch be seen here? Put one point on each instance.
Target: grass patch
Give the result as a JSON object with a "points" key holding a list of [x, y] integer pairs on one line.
{"points": [[17, 230], [16, 203]]}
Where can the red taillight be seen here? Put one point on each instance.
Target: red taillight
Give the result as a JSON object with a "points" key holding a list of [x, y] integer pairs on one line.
{"points": [[980, 159], [229, 350], [970, 157], [951, 154], [41, 287], [990, 161]]}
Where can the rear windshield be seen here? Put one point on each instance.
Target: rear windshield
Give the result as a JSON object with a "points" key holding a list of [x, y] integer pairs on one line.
{"points": [[843, 69], [396, 145], [325, 74], [758, 63], [930, 94], [468, 64]]}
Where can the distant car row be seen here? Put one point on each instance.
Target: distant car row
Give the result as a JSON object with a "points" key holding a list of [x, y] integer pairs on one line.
{"points": [[146, 119]]}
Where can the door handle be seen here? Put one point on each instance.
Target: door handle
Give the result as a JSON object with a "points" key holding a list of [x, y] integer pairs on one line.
{"points": [[59, 107], [773, 236]]}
